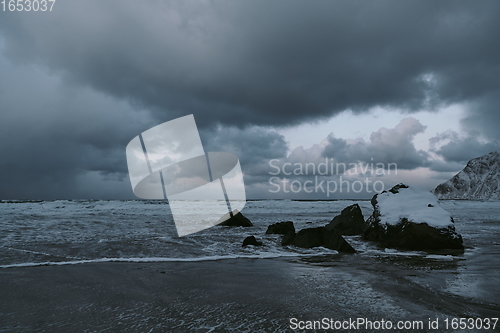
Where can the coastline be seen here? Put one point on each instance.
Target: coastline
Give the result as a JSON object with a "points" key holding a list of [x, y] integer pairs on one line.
{"points": [[231, 295]]}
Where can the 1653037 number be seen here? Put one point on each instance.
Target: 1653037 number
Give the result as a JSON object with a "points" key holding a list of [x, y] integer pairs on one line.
{"points": [[471, 323], [27, 5]]}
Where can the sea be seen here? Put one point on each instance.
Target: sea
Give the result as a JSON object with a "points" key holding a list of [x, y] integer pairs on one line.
{"points": [[98, 232]]}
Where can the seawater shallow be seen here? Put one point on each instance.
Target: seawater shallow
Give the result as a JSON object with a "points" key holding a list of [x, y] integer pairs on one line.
{"points": [[99, 237]]}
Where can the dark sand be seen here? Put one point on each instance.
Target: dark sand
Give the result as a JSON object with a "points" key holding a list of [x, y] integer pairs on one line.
{"points": [[240, 295]]}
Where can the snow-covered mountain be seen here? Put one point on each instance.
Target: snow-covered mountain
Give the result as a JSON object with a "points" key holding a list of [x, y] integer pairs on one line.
{"points": [[479, 180]]}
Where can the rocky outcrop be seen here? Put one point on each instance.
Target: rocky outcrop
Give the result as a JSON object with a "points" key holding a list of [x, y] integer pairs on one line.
{"points": [[350, 222], [288, 238], [479, 180], [251, 240], [237, 220], [281, 228], [411, 218], [320, 236]]}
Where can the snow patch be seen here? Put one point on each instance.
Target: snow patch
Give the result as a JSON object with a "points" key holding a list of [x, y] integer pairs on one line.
{"points": [[415, 204]]}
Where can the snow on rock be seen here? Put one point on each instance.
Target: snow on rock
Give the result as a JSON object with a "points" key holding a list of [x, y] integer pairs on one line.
{"points": [[413, 203], [479, 180], [409, 217]]}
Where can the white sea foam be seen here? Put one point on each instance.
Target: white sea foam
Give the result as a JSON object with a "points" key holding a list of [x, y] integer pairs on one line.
{"points": [[263, 255], [440, 257]]}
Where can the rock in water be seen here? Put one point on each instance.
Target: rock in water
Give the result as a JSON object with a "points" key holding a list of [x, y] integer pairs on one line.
{"points": [[320, 236], [334, 240], [308, 238], [411, 218], [350, 222], [251, 240], [288, 238], [237, 220], [281, 228], [479, 180]]}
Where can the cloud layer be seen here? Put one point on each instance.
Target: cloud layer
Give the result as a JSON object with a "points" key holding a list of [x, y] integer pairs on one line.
{"points": [[267, 63], [78, 83], [386, 146]]}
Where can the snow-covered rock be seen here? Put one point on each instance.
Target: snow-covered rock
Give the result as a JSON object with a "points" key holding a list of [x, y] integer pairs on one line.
{"points": [[409, 217], [479, 180]]}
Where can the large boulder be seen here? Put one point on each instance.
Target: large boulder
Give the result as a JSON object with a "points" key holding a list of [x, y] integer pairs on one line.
{"points": [[320, 236], [350, 222], [308, 238], [237, 220], [251, 240], [281, 228], [411, 218], [288, 238]]}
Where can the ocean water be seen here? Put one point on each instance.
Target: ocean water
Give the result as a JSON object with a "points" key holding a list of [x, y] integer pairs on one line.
{"points": [[68, 232], [65, 233]]}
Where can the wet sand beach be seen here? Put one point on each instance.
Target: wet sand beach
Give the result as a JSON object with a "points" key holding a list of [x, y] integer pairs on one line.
{"points": [[235, 295]]}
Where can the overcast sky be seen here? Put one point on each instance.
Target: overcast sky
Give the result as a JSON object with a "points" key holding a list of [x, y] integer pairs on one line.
{"points": [[416, 83]]}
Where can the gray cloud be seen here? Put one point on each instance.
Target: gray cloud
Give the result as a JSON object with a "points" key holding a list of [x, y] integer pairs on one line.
{"points": [[267, 63], [386, 146], [52, 134], [455, 148], [447, 167], [62, 140], [78, 83], [484, 117], [386, 158], [254, 146]]}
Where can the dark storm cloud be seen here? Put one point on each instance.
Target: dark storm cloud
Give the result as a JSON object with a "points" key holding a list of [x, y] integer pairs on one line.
{"points": [[249, 143], [53, 135], [67, 141], [77, 84], [254, 146], [263, 62]]}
